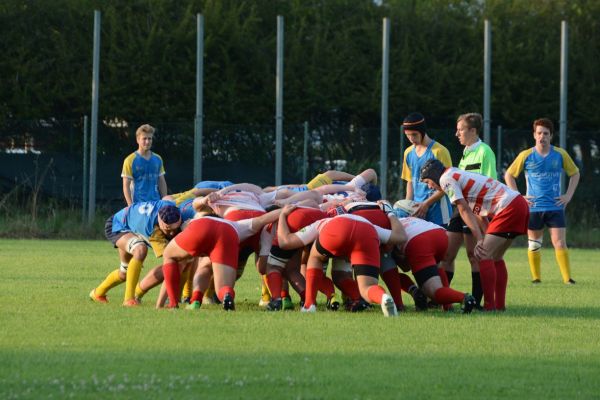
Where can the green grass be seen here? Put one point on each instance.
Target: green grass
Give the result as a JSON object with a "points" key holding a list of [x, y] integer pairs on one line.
{"points": [[55, 343]]}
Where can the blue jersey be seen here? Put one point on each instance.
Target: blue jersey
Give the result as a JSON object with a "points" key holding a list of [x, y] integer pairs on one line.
{"points": [[213, 185], [543, 174], [440, 211], [139, 218], [187, 210], [144, 174]]}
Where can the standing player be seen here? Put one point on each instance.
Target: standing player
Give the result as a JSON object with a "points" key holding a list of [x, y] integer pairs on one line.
{"points": [[477, 157], [544, 165], [479, 198], [434, 206], [143, 171]]}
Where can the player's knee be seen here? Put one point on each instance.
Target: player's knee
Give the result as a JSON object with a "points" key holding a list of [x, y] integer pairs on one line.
{"points": [[139, 252], [534, 244]]}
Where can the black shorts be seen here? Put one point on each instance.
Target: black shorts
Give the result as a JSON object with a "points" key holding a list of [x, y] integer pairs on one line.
{"points": [[425, 274], [551, 219], [457, 225], [112, 237]]}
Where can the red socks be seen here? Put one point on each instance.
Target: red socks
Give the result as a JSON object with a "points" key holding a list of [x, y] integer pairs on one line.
{"points": [[446, 295], [501, 283], [349, 287], [392, 280], [443, 277], [224, 290], [313, 282], [274, 282], [406, 282], [172, 277], [375, 293], [196, 296], [487, 273], [326, 287]]}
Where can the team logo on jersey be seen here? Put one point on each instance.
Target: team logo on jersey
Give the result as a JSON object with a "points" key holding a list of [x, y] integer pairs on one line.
{"points": [[145, 208]]}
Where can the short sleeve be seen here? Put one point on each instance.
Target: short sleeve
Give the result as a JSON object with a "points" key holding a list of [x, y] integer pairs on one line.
{"points": [[127, 171], [518, 164], [406, 172], [568, 164]]}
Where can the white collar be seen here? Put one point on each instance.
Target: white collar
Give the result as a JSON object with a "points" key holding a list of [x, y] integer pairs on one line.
{"points": [[473, 146]]}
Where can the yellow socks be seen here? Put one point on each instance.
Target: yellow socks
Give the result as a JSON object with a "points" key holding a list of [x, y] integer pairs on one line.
{"points": [[562, 258], [535, 262], [139, 292], [110, 282], [133, 275], [187, 278]]}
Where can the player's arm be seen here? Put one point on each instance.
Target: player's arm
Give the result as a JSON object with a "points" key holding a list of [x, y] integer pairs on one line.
{"points": [[566, 198], [469, 218], [162, 186], [127, 190], [398, 236], [242, 187], [286, 239]]}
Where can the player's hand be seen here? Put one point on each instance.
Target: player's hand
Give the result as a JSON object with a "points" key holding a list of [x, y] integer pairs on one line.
{"points": [[212, 197], [287, 210], [562, 200], [529, 200], [480, 252], [421, 211]]}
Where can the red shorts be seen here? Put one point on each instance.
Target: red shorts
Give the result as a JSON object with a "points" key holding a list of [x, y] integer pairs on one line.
{"points": [[513, 220], [253, 242], [426, 249], [375, 216], [207, 237], [301, 217], [347, 238]]}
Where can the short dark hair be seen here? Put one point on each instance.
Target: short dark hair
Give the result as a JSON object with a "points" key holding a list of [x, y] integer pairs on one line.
{"points": [[545, 122]]}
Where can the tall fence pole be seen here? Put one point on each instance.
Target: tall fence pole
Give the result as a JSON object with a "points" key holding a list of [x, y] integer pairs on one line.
{"points": [[487, 78], [85, 188], [305, 153], [94, 124], [199, 119], [385, 73], [279, 103], [564, 58]]}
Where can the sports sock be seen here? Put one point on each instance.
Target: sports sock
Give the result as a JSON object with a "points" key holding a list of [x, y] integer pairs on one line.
{"points": [[392, 280], [535, 264], [133, 276], [443, 277], [375, 293], [487, 272], [139, 292], [450, 275], [172, 278], [406, 282], [284, 293], [274, 281], [349, 287], [476, 289], [187, 277], [265, 290], [196, 296], [501, 283], [224, 290], [326, 287], [562, 258], [313, 281], [446, 295], [108, 283]]}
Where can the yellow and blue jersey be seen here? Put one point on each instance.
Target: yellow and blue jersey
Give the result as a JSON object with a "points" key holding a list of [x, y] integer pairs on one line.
{"points": [[144, 174], [441, 211], [139, 218], [542, 174], [213, 185]]}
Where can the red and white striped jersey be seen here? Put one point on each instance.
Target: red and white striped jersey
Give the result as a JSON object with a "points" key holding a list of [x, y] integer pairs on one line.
{"points": [[237, 201], [485, 196], [309, 233]]}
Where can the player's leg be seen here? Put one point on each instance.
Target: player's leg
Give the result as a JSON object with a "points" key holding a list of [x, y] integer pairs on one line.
{"points": [[224, 277], [534, 253], [368, 284], [559, 241], [153, 278], [476, 286], [174, 259], [455, 240], [433, 287]]}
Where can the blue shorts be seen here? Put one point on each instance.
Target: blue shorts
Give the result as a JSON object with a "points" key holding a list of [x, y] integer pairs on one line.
{"points": [[551, 219]]}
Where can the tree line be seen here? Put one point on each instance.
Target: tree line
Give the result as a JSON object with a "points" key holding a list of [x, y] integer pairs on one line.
{"points": [[332, 60]]}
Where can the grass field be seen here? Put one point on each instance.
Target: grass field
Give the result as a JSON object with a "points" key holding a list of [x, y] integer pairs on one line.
{"points": [[55, 343]]}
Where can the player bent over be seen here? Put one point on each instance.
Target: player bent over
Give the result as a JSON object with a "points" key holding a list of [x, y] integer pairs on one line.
{"points": [[344, 236], [132, 230], [217, 239], [478, 198]]}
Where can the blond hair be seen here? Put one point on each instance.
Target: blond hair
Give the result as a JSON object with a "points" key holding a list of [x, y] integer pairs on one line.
{"points": [[144, 129], [473, 120]]}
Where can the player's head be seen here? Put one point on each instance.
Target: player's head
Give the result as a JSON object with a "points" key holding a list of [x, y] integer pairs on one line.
{"points": [[414, 127], [431, 172], [543, 130], [169, 220], [468, 128], [372, 192], [144, 136]]}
